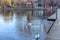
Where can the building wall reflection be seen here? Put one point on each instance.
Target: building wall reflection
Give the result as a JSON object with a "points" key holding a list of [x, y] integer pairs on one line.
{"points": [[23, 20], [7, 16]]}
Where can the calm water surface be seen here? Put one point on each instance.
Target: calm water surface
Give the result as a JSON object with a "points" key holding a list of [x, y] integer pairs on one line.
{"points": [[15, 26]]}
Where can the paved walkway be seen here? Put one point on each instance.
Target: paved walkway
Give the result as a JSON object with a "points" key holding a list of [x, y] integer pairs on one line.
{"points": [[55, 31]]}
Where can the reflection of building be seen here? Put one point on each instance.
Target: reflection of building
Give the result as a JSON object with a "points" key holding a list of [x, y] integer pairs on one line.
{"points": [[8, 16]]}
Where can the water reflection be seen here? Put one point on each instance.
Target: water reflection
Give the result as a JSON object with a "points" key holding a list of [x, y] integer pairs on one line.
{"points": [[8, 16], [21, 25], [29, 24]]}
